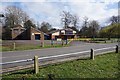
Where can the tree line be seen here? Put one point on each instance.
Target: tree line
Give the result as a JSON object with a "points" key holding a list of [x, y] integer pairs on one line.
{"points": [[89, 29]]}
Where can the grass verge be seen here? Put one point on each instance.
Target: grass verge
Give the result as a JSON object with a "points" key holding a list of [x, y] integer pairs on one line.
{"points": [[29, 47], [104, 66]]}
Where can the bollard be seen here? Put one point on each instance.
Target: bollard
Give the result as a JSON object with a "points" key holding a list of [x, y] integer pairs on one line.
{"points": [[51, 42], [36, 65], [116, 49], [43, 45], [92, 54], [14, 46]]}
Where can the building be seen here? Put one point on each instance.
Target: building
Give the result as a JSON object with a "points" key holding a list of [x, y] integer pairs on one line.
{"points": [[16, 32], [63, 34], [20, 33]]}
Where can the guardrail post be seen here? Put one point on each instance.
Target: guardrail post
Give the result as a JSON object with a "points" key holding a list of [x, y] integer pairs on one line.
{"points": [[36, 65], [116, 49], [92, 54], [14, 46]]}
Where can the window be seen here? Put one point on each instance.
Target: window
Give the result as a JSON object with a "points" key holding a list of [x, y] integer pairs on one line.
{"points": [[69, 32]]}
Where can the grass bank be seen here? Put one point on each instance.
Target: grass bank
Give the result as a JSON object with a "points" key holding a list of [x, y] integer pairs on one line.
{"points": [[104, 66], [98, 40]]}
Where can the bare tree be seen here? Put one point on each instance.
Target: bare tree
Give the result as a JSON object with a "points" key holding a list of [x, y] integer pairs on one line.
{"points": [[69, 20], [15, 15], [66, 19], [75, 20], [85, 23], [114, 19]]}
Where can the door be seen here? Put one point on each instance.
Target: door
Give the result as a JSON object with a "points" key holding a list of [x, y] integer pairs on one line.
{"points": [[37, 36]]}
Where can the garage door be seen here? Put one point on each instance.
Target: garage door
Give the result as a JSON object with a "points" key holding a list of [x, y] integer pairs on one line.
{"points": [[37, 36]]}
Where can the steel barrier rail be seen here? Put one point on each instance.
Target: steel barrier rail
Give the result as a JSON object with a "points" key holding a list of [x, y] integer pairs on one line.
{"points": [[26, 60]]}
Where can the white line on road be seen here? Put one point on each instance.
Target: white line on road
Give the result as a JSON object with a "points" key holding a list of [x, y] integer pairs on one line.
{"points": [[103, 48], [64, 54]]}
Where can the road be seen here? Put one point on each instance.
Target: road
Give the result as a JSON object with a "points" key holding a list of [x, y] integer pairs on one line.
{"points": [[21, 55]]}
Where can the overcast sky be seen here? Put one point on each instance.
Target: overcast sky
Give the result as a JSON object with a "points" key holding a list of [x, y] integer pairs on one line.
{"points": [[50, 10]]}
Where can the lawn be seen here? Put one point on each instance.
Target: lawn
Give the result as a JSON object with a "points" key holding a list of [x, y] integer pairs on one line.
{"points": [[104, 66]]}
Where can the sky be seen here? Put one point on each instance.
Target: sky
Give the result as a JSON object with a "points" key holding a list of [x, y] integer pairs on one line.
{"points": [[51, 10]]}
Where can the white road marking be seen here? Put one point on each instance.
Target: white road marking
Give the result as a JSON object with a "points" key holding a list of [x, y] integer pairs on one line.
{"points": [[64, 54], [103, 48]]}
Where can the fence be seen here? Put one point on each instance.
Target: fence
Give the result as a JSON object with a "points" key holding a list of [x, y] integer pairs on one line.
{"points": [[91, 54], [10, 45]]}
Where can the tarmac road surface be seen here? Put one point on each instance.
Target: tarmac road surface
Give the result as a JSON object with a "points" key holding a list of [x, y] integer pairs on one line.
{"points": [[29, 54]]}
